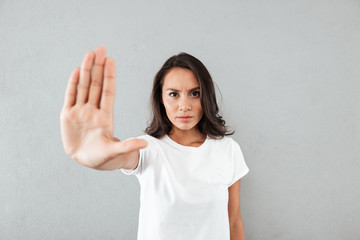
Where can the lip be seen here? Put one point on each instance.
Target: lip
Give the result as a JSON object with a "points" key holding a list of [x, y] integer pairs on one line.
{"points": [[185, 119]]}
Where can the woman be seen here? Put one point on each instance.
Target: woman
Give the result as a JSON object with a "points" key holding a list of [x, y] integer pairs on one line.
{"points": [[188, 167]]}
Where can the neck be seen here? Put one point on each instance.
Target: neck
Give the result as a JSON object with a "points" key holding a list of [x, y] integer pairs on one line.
{"points": [[187, 137]]}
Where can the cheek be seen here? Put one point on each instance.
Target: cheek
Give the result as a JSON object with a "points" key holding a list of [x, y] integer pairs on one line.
{"points": [[168, 107]]}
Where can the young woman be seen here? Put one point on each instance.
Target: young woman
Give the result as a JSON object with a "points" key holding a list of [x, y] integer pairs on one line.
{"points": [[188, 167]]}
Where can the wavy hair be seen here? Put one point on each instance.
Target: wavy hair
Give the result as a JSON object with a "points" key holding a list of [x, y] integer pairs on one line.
{"points": [[211, 124]]}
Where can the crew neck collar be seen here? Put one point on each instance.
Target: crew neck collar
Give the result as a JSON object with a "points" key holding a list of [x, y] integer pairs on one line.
{"points": [[182, 147]]}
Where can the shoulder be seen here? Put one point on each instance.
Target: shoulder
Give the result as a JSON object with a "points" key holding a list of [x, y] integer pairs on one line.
{"points": [[152, 141], [226, 140], [148, 137], [226, 143]]}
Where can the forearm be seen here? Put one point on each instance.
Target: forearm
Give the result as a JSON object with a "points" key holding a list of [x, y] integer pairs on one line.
{"points": [[125, 161], [237, 232]]}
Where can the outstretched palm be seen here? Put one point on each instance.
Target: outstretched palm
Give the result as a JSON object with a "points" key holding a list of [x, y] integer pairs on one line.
{"points": [[87, 119]]}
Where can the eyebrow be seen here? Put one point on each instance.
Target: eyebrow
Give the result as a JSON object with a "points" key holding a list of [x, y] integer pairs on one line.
{"points": [[173, 89]]}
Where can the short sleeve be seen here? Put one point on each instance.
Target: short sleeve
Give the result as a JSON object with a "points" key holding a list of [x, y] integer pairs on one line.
{"points": [[240, 167], [142, 152]]}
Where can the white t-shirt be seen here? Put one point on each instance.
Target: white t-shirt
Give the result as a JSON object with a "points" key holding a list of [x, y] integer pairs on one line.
{"points": [[184, 190]]}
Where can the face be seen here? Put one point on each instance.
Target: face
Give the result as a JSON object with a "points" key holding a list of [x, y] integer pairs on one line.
{"points": [[181, 98]]}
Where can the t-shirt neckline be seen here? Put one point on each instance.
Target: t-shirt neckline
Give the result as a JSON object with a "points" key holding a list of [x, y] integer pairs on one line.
{"points": [[182, 147]]}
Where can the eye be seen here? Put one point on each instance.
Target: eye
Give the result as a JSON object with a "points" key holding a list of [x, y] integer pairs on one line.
{"points": [[170, 94], [197, 93]]}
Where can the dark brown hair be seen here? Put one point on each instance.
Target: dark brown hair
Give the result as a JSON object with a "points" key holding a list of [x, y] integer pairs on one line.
{"points": [[211, 123]]}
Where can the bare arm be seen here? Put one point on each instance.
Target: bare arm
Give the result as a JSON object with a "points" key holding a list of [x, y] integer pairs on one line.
{"points": [[235, 220], [128, 160]]}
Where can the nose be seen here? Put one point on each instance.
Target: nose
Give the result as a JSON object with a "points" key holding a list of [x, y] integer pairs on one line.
{"points": [[184, 104]]}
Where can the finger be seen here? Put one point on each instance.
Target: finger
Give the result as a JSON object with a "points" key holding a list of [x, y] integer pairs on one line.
{"points": [[108, 92], [129, 145], [97, 77], [85, 74], [71, 89]]}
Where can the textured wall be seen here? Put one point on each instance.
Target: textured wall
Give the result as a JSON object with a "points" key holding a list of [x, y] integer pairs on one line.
{"points": [[288, 72]]}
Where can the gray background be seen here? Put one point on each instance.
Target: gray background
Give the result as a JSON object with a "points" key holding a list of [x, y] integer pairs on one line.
{"points": [[288, 73]]}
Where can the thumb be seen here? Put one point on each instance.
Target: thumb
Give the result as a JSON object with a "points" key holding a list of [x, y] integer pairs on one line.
{"points": [[129, 145]]}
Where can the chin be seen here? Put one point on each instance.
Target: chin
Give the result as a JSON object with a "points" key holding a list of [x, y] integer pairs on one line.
{"points": [[184, 127]]}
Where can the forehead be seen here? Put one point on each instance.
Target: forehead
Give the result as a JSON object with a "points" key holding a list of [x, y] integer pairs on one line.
{"points": [[180, 78]]}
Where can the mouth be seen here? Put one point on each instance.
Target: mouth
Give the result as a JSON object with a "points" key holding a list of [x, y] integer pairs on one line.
{"points": [[185, 119]]}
